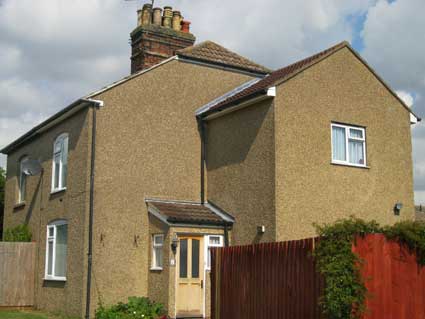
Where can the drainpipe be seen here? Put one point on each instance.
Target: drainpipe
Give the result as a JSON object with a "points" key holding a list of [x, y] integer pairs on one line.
{"points": [[96, 104], [226, 235], [201, 125]]}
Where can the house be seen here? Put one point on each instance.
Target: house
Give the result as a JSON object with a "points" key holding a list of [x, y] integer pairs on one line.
{"points": [[200, 147]]}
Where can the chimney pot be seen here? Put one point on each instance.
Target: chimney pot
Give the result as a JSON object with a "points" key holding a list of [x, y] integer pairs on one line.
{"points": [[157, 16], [146, 14], [139, 17], [185, 26], [176, 20]]}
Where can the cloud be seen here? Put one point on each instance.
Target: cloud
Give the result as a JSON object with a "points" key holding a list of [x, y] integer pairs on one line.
{"points": [[392, 45], [55, 51]]}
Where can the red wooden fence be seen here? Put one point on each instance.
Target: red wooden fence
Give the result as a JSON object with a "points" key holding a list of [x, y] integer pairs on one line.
{"points": [[395, 281], [272, 280], [279, 280]]}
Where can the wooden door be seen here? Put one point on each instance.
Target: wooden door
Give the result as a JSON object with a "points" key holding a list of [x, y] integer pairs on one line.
{"points": [[190, 276]]}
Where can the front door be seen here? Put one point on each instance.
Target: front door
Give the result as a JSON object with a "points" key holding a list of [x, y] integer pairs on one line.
{"points": [[190, 275]]}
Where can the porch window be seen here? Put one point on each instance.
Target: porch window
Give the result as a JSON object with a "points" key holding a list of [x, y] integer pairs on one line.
{"points": [[157, 254], [348, 145], [60, 163], [56, 250], [212, 241], [22, 180]]}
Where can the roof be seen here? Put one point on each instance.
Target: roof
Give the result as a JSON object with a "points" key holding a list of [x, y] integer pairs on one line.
{"points": [[184, 212], [212, 52], [281, 75]]}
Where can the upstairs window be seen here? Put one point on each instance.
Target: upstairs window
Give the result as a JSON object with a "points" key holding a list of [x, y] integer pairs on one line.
{"points": [[22, 182], [60, 162], [157, 245], [348, 145], [212, 241], [56, 250]]}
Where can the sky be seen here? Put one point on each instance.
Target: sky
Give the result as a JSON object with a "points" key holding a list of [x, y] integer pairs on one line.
{"points": [[54, 51]]}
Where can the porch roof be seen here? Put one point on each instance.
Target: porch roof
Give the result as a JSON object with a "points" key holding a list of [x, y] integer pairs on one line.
{"points": [[185, 212]]}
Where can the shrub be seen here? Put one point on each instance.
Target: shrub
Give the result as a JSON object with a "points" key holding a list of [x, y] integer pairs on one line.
{"points": [[20, 233], [136, 308]]}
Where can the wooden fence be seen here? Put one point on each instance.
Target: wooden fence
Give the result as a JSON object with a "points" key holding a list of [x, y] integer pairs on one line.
{"points": [[395, 281], [272, 280], [279, 280], [17, 266]]}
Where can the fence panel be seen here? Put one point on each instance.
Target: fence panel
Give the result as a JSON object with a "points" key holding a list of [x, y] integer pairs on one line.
{"points": [[271, 280], [17, 265], [395, 281]]}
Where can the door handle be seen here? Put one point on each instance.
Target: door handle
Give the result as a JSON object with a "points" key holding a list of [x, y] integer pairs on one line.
{"points": [[202, 284]]}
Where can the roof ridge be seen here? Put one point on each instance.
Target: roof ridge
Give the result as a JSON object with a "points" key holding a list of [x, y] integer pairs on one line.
{"points": [[213, 52]]}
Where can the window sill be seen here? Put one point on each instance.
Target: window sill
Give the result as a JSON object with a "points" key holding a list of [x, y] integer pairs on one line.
{"points": [[19, 205], [350, 165], [54, 278], [156, 269], [56, 191]]}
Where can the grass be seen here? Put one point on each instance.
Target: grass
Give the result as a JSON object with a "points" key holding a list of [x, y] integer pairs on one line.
{"points": [[27, 314]]}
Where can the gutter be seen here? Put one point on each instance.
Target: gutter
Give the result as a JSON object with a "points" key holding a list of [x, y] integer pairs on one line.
{"points": [[95, 105], [214, 112], [45, 125]]}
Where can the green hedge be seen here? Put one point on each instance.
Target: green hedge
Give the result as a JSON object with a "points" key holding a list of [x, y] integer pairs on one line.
{"points": [[20, 233]]}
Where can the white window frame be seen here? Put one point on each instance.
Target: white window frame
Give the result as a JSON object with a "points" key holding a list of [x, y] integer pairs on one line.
{"points": [[156, 246], [63, 140], [52, 239], [347, 139], [22, 182], [208, 246]]}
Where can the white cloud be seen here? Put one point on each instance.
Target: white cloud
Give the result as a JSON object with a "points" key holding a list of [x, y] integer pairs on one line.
{"points": [[392, 38], [54, 51], [406, 97]]}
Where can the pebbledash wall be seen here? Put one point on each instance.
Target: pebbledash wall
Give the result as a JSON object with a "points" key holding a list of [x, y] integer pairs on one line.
{"points": [[148, 145], [42, 207], [270, 163], [308, 187]]}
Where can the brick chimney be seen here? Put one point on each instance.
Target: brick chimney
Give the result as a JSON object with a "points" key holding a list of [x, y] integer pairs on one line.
{"points": [[157, 37]]}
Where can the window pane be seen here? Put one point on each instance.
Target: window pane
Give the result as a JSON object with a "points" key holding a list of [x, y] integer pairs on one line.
{"points": [[49, 257], [158, 240], [22, 187], [338, 143], [209, 258], [51, 231], [355, 150], [195, 258], [56, 171], [61, 247], [214, 240], [158, 257], [183, 258], [356, 133], [64, 162]]}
